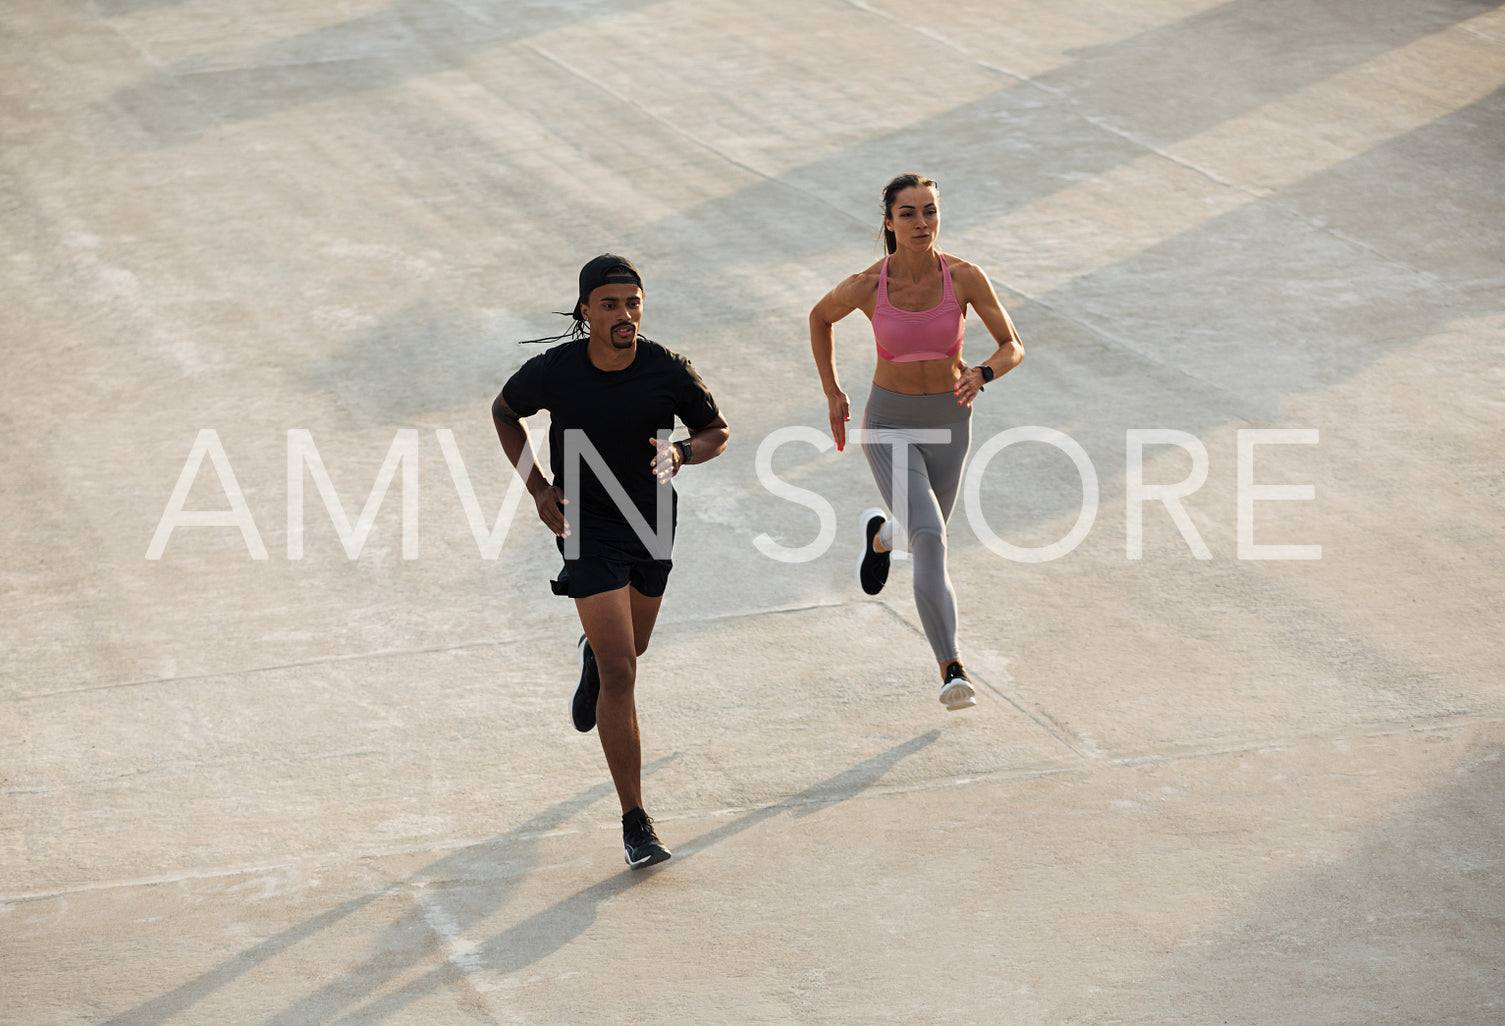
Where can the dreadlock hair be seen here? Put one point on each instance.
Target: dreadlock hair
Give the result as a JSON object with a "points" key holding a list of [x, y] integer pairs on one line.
{"points": [[891, 194], [574, 331]]}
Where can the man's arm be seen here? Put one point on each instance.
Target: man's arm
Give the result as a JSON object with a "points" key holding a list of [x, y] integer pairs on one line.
{"points": [[704, 444], [513, 434], [710, 441]]}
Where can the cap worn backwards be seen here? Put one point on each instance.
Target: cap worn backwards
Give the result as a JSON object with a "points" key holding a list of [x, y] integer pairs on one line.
{"points": [[597, 273], [593, 275]]}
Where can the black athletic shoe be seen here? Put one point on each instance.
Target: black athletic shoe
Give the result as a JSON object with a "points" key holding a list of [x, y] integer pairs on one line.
{"points": [[583, 701], [642, 844], [872, 567], [957, 692]]}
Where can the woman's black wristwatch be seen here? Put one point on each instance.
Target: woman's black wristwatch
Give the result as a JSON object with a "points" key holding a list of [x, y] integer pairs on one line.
{"points": [[987, 372]]}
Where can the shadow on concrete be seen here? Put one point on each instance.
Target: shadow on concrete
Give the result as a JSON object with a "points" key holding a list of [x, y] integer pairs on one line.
{"points": [[1113, 103], [1318, 303], [513, 849], [472, 872], [407, 40], [424, 358], [999, 153], [119, 8], [545, 932], [1198, 72], [1409, 928]]}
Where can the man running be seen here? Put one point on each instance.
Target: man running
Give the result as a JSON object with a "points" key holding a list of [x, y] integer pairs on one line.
{"points": [[612, 396]]}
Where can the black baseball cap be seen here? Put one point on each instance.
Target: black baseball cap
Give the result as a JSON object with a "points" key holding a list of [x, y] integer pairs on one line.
{"points": [[596, 273]]}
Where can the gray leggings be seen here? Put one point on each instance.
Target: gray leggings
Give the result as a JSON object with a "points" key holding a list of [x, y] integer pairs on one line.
{"points": [[927, 436]]}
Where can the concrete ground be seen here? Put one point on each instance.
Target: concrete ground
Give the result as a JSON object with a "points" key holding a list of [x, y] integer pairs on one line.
{"points": [[311, 788]]}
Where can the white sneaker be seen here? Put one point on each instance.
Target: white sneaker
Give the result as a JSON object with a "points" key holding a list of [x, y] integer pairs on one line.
{"points": [[957, 692]]}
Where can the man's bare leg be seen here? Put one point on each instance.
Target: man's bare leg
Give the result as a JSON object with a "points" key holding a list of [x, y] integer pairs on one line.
{"points": [[618, 625]]}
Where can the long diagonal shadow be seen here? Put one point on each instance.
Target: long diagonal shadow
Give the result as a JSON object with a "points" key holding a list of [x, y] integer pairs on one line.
{"points": [[546, 931], [511, 846], [406, 40]]}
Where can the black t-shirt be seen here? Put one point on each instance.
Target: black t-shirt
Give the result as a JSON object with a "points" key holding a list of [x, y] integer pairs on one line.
{"points": [[619, 411]]}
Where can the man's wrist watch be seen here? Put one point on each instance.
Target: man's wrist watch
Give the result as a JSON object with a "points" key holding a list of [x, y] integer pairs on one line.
{"points": [[987, 372], [683, 445]]}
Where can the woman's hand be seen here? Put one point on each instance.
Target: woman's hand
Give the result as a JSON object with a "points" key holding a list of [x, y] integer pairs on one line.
{"points": [[550, 502], [968, 385], [841, 412]]}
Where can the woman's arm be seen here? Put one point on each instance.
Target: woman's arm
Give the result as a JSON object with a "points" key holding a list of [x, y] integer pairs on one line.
{"points": [[833, 306], [978, 292]]}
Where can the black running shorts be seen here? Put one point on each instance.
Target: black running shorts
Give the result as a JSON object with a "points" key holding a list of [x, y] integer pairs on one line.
{"points": [[609, 560]]}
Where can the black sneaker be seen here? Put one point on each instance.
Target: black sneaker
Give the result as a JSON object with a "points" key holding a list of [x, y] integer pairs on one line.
{"points": [[957, 692], [583, 701], [872, 567], [642, 844]]}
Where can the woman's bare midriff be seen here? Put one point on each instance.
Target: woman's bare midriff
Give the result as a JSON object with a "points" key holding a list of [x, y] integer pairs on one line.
{"points": [[918, 377]]}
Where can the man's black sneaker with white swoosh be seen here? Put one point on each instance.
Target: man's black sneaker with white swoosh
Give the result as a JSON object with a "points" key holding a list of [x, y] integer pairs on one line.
{"points": [[643, 846], [583, 701]]}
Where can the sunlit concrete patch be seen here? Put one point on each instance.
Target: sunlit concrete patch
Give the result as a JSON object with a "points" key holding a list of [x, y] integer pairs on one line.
{"points": [[1101, 222], [1280, 143], [1316, 307], [1036, 37], [1416, 535], [754, 720], [744, 80], [250, 72], [180, 31], [541, 121], [1098, 223], [199, 766]]}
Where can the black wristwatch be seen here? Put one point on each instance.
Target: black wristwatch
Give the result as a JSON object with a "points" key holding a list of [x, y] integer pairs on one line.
{"points": [[987, 372], [683, 445]]}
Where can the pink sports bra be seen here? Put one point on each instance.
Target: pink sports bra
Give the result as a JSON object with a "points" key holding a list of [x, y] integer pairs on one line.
{"points": [[905, 336]]}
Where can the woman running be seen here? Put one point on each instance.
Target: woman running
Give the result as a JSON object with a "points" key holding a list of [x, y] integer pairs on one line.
{"points": [[917, 424]]}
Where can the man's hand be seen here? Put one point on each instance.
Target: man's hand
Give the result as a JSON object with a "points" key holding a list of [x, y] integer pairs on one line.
{"points": [[550, 502], [666, 461]]}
